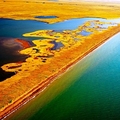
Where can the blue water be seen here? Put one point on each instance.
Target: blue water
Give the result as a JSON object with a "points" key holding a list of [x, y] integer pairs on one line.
{"points": [[46, 17], [85, 33], [57, 45], [90, 90], [15, 28], [10, 28]]}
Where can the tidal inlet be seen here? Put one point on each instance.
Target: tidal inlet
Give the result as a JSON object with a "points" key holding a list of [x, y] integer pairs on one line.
{"points": [[59, 60]]}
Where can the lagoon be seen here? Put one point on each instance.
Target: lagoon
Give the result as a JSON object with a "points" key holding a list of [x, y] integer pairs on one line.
{"points": [[11, 29], [15, 28]]}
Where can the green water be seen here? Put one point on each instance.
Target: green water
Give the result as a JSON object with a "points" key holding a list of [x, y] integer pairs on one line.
{"points": [[88, 91]]}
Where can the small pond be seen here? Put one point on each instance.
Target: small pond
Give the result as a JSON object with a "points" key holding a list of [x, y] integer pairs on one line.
{"points": [[57, 45], [85, 33]]}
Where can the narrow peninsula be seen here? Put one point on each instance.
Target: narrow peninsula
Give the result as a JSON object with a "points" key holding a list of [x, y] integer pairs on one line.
{"points": [[53, 55]]}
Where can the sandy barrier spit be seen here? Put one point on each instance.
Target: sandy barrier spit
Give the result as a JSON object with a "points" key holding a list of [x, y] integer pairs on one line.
{"points": [[41, 86]]}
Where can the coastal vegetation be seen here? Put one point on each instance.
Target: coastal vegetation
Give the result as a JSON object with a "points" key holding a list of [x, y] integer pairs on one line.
{"points": [[44, 64], [63, 10]]}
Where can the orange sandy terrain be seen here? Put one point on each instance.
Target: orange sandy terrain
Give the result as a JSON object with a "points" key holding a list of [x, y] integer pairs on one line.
{"points": [[63, 10], [20, 88]]}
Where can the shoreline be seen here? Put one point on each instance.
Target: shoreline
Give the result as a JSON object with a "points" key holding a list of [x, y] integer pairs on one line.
{"points": [[23, 43], [45, 83]]}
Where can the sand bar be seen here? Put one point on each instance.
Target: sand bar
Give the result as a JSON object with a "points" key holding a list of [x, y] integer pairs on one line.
{"points": [[53, 72], [20, 88]]}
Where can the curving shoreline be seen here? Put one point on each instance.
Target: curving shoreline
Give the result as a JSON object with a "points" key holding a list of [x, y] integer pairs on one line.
{"points": [[24, 44], [41, 86]]}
